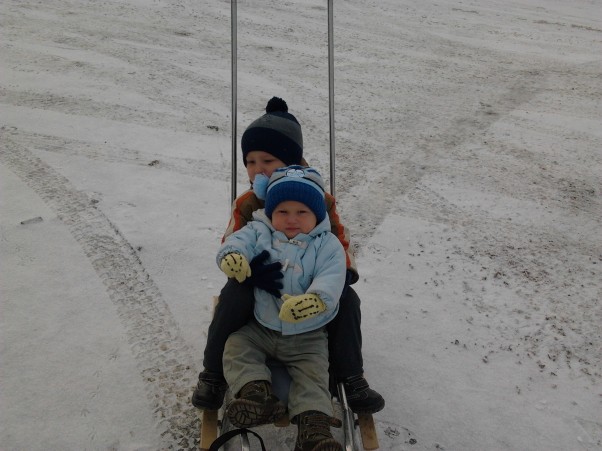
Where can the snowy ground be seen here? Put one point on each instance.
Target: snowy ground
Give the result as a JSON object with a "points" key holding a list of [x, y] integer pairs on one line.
{"points": [[469, 170]]}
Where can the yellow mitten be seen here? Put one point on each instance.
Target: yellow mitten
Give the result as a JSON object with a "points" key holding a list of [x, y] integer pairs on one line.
{"points": [[236, 265], [301, 307]]}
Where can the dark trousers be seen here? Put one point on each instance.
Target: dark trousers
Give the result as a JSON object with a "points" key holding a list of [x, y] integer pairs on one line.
{"points": [[235, 309]]}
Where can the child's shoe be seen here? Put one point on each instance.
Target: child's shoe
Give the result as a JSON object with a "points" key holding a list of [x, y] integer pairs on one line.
{"points": [[314, 432], [210, 391], [254, 405], [360, 397]]}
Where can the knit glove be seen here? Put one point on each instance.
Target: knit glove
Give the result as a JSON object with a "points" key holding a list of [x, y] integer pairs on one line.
{"points": [[235, 266], [266, 276], [301, 307]]}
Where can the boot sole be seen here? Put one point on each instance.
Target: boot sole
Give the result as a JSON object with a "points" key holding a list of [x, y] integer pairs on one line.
{"points": [[368, 411], [376, 406], [243, 413], [205, 406]]}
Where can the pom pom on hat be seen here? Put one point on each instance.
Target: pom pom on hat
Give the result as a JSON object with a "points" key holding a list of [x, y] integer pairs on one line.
{"points": [[277, 132], [276, 104], [296, 183]]}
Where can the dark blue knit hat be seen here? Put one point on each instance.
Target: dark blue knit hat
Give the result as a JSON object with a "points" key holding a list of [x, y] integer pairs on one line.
{"points": [[297, 183], [277, 132]]}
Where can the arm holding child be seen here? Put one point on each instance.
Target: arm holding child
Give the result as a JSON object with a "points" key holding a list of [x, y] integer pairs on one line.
{"points": [[326, 288]]}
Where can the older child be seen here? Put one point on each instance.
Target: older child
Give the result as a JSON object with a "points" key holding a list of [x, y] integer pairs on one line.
{"points": [[295, 231], [272, 141]]}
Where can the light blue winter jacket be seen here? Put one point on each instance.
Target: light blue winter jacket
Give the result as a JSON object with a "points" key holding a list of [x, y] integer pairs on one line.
{"points": [[311, 263]]}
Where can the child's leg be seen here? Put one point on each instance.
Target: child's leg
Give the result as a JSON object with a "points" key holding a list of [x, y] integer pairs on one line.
{"points": [[306, 358], [249, 377], [245, 356], [234, 310], [310, 405], [345, 337], [346, 362]]}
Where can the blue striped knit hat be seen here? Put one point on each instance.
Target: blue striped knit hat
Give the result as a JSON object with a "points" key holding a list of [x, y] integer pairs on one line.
{"points": [[298, 183]]}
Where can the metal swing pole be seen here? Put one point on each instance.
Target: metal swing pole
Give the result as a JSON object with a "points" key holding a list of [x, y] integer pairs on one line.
{"points": [[234, 97], [233, 4], [331, 94]]}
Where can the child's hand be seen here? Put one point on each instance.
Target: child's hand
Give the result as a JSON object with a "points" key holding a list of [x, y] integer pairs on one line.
{"points": [[235, 265], [266, 276], [301, 307]]}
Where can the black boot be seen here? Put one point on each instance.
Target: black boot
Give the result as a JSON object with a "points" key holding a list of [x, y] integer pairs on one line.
{"points": [[210, 391], [255, 405], [360, 397], [314, 432]]}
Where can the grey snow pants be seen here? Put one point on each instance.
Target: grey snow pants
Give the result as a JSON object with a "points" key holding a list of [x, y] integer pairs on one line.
{"points": [[305, 357]]}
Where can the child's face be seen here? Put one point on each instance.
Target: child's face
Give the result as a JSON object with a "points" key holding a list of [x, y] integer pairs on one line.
{"points": [[292, 218], [260, 162]]}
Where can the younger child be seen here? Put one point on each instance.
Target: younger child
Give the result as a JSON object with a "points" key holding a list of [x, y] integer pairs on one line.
{"points": [[295, 230]]}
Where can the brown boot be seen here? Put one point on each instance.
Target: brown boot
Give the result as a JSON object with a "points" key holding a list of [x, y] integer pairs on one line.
{"points": [[255, 405], [314, 432]]}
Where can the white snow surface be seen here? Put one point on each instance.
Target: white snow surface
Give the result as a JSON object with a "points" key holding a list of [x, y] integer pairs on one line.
{"points": [[468, 170]]}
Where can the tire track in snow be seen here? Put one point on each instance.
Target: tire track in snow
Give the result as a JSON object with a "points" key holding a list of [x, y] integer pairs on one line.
{"points": [[160, 352], [109, 153]]}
